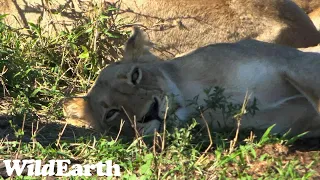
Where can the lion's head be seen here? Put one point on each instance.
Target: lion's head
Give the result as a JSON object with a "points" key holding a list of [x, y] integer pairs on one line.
{"points": [[127, 90]]}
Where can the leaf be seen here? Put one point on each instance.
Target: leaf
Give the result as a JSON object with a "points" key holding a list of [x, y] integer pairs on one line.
{"points": [[103, 17], [264, 137], [293, 139], [17, 74], [2, 16], [109, 34], [145, 169], [84, 54], [33, 94], [89, 30], [111, 143], [144, 177], [32, 25], [112, 8]]}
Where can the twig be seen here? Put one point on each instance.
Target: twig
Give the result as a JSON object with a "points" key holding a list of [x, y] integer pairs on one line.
{"points": [[121, 126], [134, 123], [164, 124], [60, 135], [34, 140], [154, 142], [159, 173], [210, 138], [4, 70], [238, 118]]}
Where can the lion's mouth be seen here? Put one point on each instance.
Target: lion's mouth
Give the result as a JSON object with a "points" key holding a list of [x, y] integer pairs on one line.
{"points": [[153, 112]]}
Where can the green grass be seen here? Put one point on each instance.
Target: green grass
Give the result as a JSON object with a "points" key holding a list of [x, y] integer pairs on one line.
{"points": [[38, 71], [179, 158]]}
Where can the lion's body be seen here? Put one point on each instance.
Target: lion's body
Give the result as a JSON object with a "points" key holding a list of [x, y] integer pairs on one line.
{"points": [[285, 82], [190, 24], [259, 69]]}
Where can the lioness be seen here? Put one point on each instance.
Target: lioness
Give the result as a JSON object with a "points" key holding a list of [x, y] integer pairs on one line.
{"points": [[285, 82], [178, 26]]}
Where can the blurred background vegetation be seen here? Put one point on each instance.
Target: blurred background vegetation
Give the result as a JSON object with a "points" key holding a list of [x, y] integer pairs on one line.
{"points": [[39, 68]]}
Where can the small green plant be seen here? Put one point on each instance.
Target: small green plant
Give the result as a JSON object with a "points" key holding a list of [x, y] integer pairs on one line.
{"points": [[217, 101], [18, 132], [43, 69]]}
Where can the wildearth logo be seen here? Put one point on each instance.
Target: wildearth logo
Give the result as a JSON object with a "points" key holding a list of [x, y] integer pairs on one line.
{"points": [[60, 168]]}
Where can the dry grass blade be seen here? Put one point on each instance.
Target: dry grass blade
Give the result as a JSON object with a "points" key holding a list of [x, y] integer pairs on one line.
{"points": [[238, 118], [120, 129], [134, 124], [34, 133], [164, 124], [210, 138], [60, 135], [5, 90]]}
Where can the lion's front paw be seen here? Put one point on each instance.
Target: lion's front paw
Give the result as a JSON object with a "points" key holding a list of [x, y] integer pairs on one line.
{"points": [[149, 127]]}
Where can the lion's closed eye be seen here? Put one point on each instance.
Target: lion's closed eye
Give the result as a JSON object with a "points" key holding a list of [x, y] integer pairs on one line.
{"points": [[135, 76]]}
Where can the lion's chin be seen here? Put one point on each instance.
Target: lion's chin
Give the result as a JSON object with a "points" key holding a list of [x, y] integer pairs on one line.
{"points": [[149, 127]]}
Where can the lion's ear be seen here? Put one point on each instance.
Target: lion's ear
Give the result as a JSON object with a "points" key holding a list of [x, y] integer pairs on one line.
{"points": [[137, 47], [75, 107]]}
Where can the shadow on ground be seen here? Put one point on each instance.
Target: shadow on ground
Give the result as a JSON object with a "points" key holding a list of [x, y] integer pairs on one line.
{"points": [[47, 133], [307, 151]]}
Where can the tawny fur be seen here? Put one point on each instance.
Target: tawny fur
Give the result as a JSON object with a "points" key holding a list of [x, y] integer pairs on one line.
{"points": [[285, 81], [178, 26]]}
